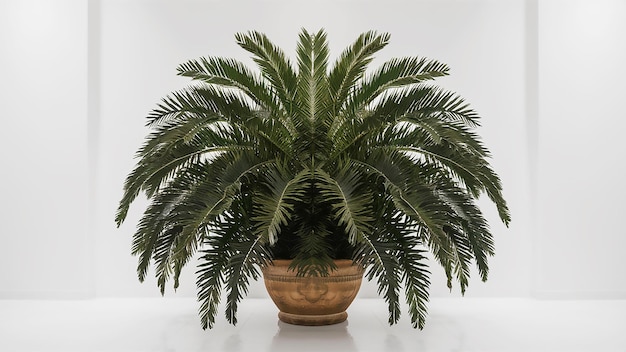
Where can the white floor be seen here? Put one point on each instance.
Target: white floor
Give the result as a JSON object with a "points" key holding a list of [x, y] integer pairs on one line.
{"points": [[171, 324]]}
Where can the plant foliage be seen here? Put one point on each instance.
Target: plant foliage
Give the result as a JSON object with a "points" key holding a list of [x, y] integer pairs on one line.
{"points": [[312, 161]]}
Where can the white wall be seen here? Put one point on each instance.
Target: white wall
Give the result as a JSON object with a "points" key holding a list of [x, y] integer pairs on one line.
{"points": [[581, 239], [77, 81], [43, 147]]}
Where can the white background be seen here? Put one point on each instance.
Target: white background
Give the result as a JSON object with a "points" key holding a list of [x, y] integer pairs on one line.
{"points": [[77, 79]]}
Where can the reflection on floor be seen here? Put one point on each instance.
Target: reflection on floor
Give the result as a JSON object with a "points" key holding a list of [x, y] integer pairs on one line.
{"points": [[172, 325]]}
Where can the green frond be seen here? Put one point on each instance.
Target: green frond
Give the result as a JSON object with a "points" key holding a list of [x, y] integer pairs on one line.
{"points": [[271, 138], [312, 85], [424, 101], [153, 171], [230, 73], [446, 106], [351, 65], [313, 250], [200, 100], [249, 254], [474, 172], [311, 234], [311, 113], [173, 223], [274, 207], [210, 274], [383, 266], [274, 66], [233, 226], [413, 194], [471, 224], [351, 206], [354, 139], [432, 131], [395, 73], [416, 282], [189, 202], [394, 227]]}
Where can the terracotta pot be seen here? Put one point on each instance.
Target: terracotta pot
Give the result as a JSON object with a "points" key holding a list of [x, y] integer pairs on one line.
{"points": [[313, 300]]}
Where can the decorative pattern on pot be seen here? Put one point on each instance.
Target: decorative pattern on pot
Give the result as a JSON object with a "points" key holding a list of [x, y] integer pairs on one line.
{"points": [[312, 291]]}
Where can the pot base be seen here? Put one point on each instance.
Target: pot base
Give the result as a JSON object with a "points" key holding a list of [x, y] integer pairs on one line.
{"points": [[313, 320]]}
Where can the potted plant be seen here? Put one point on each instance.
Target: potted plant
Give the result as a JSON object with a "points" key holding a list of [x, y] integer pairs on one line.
{"points": [[309, 169]]}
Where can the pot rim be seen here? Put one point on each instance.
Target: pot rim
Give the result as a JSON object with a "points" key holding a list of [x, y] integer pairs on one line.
{"points": [[340, 263], [343, 267]]}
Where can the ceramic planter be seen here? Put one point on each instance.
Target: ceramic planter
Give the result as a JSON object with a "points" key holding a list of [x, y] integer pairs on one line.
{"points": [[313, 300]]}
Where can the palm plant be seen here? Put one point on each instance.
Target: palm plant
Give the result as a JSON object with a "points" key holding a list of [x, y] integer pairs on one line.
{"points": [[312, 162]]}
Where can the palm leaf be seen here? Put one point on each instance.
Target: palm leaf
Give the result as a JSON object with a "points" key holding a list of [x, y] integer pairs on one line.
{"points": [[416, 282], [230, 73], [393, 74], [210, 275], [273, 64], [351, 206], [248, 254], [383, 266], [351, 65], [274, 209]]}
